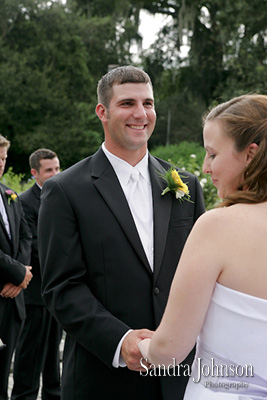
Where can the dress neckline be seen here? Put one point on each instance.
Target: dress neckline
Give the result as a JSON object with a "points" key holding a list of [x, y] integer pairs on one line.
{"points": [[240, 293]]}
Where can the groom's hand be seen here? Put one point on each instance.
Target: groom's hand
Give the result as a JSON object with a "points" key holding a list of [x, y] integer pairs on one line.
{"points": [[130, 351]]}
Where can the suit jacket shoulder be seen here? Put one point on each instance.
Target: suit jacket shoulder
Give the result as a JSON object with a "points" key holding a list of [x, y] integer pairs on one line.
{"points": [[34, 190], [81, 173], [14, 254]]}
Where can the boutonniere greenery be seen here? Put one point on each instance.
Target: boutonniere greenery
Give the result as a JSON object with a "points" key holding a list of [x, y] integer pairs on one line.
{"points": [[175, 185], [11, 196]]}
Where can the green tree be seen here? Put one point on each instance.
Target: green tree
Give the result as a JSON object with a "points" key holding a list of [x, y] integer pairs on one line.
{"points": [[50, 61], [48, 92], [227, 57], [52, 56]]}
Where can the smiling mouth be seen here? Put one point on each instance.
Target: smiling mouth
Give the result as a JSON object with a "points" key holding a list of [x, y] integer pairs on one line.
{"points": [[138, 127]]}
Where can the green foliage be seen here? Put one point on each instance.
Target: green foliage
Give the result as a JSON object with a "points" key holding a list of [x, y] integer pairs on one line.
{"points": [[175, 152], [52, 56], [16, 182], [189, 157], [227, 58], [46, 87], [50, 61]]}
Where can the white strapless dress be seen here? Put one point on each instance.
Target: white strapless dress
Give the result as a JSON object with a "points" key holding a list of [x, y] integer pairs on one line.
{"points": [[231, 347]]}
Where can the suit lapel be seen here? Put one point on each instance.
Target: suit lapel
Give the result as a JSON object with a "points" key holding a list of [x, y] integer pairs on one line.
{"points": [[110, 189], [162, 210], [37, 192], [1, 218], [10, 215]]}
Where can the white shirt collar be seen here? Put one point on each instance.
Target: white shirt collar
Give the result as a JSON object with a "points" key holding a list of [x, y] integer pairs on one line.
{"points": [[124, 169]]}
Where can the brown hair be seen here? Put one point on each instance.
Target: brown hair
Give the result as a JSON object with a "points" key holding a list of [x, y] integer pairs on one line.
{"points": [[245, 121], [119, 76], [38, 155], [4, 142]]}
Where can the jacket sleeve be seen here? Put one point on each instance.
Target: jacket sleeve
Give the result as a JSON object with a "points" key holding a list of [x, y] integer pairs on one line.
{"points": [[65, 287], [25, 240], [31, 215], [11, 270]]}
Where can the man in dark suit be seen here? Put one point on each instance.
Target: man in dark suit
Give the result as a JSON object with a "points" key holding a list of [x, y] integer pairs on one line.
{"points": [[108, 255], [38, 346], [15, 274]]}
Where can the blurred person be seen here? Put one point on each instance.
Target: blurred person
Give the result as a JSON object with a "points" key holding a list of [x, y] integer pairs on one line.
{"points": [[37, 350], [15, 273]]}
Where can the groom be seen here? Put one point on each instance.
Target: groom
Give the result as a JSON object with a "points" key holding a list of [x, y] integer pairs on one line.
{"points": [[109, 246]]}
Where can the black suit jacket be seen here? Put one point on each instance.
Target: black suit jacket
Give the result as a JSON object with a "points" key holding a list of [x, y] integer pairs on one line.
{"points": [[97, 281], [30, 201], [15, 253]]}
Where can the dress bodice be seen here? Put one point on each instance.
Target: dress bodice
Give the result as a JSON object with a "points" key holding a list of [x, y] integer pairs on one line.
{"points": [[234, 331], [236, 328]]}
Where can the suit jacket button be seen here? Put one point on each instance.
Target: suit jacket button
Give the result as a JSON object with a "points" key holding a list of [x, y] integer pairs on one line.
{"points": [[156, 291]]}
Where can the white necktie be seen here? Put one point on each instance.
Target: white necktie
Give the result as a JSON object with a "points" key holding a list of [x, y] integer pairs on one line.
{"points": [[4, 216], [142, 211]]}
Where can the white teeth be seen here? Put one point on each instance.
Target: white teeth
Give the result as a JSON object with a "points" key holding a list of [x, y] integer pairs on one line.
{"points": [[137, 127]]}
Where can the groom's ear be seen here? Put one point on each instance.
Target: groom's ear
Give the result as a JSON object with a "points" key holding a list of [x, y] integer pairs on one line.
{"points": [[251, 151], [101, 112]]}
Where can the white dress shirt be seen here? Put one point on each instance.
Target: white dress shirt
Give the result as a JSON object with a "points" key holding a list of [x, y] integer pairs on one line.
{"points": [[142, 210], [141, 205], [4, 215]]}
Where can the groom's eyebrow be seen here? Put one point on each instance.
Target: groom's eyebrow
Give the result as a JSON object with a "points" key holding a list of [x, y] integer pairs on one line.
{"points": [[149, 99], [126, 99]]}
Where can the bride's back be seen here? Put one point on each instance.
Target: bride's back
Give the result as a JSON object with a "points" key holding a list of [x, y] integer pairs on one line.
{"points": [[245, 248]]}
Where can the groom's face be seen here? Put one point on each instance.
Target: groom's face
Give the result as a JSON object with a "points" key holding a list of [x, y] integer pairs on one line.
{"points": [[130, 119]]}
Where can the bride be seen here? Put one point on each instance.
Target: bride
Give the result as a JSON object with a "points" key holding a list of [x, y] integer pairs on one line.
{"points": [[219, 293]]}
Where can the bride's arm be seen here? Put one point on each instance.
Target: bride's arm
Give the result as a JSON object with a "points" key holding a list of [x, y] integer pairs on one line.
{"points": [[201, 263]]}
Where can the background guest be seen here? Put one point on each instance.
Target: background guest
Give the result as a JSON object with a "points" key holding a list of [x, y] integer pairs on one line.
{"points": [[38, 346], [15, 274]]}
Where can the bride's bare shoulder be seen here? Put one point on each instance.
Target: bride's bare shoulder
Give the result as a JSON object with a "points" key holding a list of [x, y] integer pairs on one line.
{"points": [[217, 219], [214, 215]]}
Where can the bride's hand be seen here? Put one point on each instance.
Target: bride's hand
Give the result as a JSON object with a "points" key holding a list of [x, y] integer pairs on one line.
{"points": [[144, 346]]}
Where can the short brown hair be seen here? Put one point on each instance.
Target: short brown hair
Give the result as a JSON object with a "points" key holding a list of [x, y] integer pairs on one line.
{"points": [[119, 76], [4, 142], [38, 155]]}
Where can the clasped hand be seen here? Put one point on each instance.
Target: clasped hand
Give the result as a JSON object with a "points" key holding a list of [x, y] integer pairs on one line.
{"points": [[10, 290], [130, 351]]}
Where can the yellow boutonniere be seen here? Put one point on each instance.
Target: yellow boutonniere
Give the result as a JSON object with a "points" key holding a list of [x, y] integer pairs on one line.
{"points": [[11, 196], [175, 185]]}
